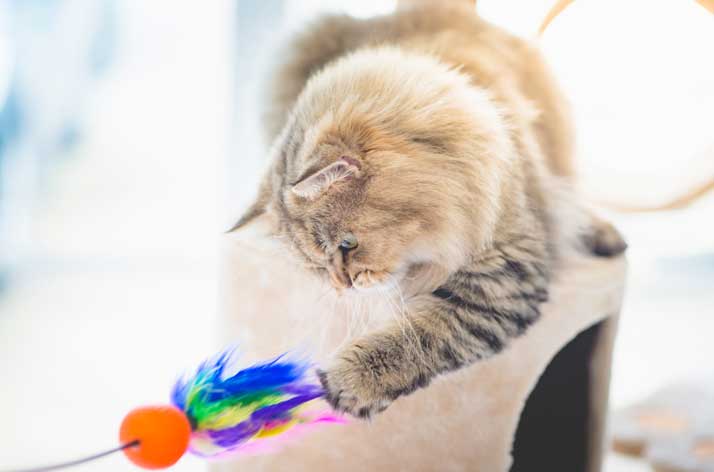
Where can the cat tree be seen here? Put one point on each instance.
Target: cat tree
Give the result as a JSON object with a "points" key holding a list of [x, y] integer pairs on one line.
{"points": [[538, 406]]}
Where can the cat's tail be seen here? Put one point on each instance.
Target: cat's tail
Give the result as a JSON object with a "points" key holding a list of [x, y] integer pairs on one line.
{"points": [[677, 203], [682, 201], [561, 5]]}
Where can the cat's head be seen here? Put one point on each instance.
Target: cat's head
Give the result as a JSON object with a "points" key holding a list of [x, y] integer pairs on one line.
{"points": [[389, 163]]}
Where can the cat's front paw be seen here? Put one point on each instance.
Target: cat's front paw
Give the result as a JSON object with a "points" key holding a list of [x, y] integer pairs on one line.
{"points": [[352, 388]]}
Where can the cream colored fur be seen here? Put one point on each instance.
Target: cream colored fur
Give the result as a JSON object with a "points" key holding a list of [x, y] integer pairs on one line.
{"points": [[423, 159], [421, 163], [426, 154]]}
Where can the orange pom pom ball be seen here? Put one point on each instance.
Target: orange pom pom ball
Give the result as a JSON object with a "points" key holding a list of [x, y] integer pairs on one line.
{"points": [[163, 433]]}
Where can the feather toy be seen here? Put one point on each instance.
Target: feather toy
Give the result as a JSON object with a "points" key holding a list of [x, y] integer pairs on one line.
{"points": [[214, 414], [251, 410]]}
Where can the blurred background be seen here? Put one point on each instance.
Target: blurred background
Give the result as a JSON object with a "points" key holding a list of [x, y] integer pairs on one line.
{"points": [[130, 138]]}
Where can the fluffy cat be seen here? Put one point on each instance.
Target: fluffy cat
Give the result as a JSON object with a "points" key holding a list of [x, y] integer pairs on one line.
{"points": [[431, 150]]}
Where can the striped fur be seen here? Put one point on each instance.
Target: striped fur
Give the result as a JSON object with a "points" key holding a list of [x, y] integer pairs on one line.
{"points": [[471, 317]]}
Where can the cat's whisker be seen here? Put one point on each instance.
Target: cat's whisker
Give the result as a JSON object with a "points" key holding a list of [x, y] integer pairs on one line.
{"points": [[359, 315], [392, 310], [323, 325], [399, 314], [342, 324], [404, 316]]}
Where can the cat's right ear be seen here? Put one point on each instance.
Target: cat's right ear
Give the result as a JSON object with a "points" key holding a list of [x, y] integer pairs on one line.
{"points": [[343, 169]]}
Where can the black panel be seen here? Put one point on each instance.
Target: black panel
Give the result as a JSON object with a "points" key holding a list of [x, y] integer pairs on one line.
{"points": [[552, 433]]}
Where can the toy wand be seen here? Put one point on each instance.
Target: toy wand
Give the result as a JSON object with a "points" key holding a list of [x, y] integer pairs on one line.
{"points": [[214, 415]]}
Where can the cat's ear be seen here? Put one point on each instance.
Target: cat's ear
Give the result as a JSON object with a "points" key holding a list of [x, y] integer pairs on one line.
{"points": [[314, 185], [259, 210]]}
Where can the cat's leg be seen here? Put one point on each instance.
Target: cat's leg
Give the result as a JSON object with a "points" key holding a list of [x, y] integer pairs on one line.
{"points": [[472, 316], [602, 239]]}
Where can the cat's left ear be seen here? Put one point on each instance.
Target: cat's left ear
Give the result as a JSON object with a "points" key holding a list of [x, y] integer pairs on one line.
{"points": [[260, 208], [311, 187]]}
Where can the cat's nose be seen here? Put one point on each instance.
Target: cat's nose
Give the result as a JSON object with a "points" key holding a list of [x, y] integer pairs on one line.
{"points": [[339, 277]]}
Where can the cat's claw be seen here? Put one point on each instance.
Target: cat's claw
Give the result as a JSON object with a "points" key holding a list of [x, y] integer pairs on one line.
{"points": [[350, 391]]}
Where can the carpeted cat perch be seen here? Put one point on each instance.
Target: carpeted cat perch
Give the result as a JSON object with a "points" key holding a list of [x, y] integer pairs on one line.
{"points": [[538, 406]]}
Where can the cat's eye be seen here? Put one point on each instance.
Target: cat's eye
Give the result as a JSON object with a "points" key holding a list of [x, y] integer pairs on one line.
{"points": [[348, 242]]}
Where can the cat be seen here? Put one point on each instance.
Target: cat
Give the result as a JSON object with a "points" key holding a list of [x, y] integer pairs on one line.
{"points": [[431, 150]]}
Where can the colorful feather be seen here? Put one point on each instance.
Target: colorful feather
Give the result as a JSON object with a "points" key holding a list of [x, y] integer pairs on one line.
{"points": [[253, 410]]}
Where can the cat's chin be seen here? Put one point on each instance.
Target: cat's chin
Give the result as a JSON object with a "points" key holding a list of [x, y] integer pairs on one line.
{"points": [[373, 280], [373, 289]]}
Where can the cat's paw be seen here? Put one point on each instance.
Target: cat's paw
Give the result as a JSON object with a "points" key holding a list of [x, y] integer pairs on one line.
{"points": [[604, 240], [351, 388]]}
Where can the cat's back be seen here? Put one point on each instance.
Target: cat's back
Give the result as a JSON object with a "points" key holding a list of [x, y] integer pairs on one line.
{"points": [[508, 66]]}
